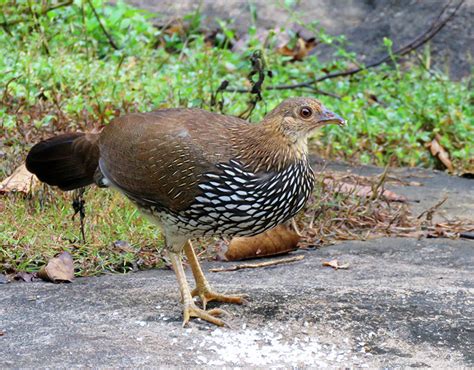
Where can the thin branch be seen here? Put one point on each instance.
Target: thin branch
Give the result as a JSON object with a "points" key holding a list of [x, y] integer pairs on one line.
{"points": [[437, 25], [109, 37], [44, 11], [5, 92], [257, 265], [78, 203], [39, 29]]}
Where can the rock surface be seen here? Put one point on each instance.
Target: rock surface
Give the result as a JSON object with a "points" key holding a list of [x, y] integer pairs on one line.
{"points": [[402, 302], [364, 23]]}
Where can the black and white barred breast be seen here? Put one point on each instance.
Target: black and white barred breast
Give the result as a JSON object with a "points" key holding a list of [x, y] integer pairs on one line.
{"points": [[237, 202]]}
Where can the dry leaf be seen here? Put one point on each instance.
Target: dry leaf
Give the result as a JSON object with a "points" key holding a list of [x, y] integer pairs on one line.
{"points": [[59, 269], [123, 245], [439, 152], [335, 265], [299, 51], [276, 241], [21, 180], [27, 277], [362, 190]]}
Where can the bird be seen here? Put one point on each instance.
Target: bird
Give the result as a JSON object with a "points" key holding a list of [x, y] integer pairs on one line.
{"points": [[195, 173]]}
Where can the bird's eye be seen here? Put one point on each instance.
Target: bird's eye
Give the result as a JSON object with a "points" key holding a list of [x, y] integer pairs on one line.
{"points": [[306, 112]]}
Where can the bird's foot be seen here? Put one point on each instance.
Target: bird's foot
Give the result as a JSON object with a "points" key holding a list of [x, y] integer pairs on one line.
{"points": [[206, 294], [191, 310]]}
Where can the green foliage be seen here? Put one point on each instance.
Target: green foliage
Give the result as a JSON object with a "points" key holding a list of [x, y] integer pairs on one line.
{"points": [[391, 115]]}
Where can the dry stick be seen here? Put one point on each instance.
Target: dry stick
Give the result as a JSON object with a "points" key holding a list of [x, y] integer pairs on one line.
{"points": [[109, 37], [78, 203], [5, 92], [379, 185], [430, 211], [259, 69], [422, 39], [257, 265], [43, 12], [39, 29]]}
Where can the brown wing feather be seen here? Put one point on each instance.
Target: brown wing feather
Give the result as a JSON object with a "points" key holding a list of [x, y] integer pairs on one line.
{"points": [[161, 156]]}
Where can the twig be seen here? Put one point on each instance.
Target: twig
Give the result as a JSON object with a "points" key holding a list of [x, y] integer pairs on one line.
{"points": [[109, 37], [295, 227], [257, 265], [6, 24], [323, 92], [258, 68], [78, 203], [220, 103], [379, 185], [39, 29], [423, 38], [5, 92], [430, 211]]}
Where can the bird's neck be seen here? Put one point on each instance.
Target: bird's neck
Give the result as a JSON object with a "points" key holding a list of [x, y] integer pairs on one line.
{"points": [[270, 149]]}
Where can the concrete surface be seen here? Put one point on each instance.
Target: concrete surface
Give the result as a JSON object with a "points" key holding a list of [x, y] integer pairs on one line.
{"points": [[433, 187], [401, 303]]}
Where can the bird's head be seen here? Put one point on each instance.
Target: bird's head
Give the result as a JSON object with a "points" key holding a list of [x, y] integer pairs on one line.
{"points": [[296, 118]]}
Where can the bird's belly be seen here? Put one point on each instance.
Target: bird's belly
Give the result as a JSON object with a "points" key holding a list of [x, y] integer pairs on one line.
{"points": [[227, 207], [231, 219]]}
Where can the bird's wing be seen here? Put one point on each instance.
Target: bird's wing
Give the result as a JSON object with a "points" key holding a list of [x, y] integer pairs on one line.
{"points": [[160, 157]]}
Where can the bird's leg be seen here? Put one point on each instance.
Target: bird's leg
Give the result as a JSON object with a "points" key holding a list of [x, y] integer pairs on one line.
{"points": [[190, 309], [203, 289]]}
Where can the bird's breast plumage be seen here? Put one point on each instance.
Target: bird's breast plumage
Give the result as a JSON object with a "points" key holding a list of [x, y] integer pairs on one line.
{"points": [[235, 201]]}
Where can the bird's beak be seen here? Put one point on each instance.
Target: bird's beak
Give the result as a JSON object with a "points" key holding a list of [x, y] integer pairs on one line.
{"points": [[329, 117]]}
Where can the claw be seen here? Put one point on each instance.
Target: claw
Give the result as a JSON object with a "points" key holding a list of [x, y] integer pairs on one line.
{"points": [[210, 316], [206, 295]]}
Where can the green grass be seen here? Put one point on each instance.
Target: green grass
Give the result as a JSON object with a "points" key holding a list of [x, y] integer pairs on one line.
{"points": [[59, 73], [36, 228]]}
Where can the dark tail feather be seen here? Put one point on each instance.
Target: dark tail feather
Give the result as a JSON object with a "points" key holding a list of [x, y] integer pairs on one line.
{"points": [[68, 161]]}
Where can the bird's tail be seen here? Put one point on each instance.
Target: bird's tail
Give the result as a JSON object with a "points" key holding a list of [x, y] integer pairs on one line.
{"points": [[68, 161]]}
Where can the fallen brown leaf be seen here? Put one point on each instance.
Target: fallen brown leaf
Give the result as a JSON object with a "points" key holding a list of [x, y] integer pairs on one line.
{"points": [[27, 277], [335, 265], [362, 190], [21, 180], [299, 51], [278, 240], [439, 152], [59, 269]]}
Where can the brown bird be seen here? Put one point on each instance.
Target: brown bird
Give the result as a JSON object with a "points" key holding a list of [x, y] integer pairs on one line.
{"points": [[195, 173]]}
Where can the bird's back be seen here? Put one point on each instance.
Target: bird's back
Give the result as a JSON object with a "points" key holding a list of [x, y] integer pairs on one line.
{"points": [[160, 155]]}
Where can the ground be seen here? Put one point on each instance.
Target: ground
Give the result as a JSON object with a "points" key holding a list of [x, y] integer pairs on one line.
{"points": [[402, 302]]}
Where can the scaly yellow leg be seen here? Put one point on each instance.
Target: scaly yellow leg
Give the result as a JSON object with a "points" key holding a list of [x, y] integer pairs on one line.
{"points": [[203, 289], [190, 309]]}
